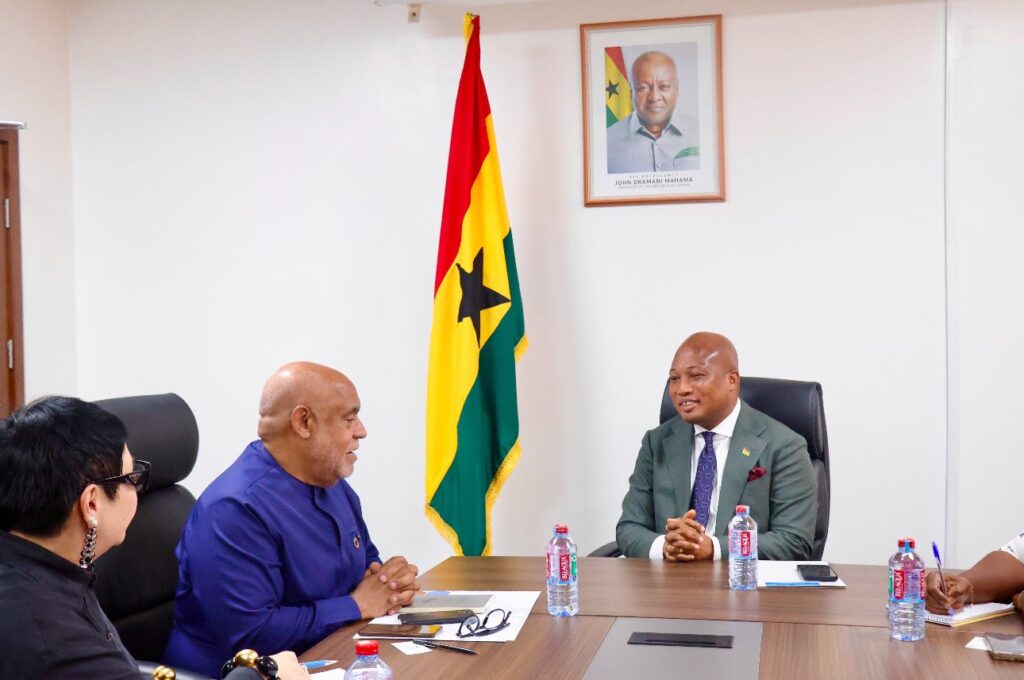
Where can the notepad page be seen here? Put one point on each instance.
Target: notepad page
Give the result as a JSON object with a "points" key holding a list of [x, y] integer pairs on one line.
{"points": [[970, 614]]}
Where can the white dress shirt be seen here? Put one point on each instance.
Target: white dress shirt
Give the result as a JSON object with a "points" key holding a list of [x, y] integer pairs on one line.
{"points": [[722, 439], [1015, 547]]}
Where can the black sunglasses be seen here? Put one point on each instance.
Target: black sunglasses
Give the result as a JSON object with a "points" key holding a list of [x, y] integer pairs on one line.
{"points": [[139, 477]]}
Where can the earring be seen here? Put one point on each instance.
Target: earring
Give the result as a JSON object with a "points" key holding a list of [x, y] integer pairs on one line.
{"points": [[90, 545]]}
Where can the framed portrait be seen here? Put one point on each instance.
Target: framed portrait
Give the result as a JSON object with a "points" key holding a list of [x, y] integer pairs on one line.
{"points": [[652, 111]]}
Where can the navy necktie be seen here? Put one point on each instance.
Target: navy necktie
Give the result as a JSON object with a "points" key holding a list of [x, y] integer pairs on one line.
{"points": [[704, 482]]}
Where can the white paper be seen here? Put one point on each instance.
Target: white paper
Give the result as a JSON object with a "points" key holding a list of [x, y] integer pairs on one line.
{"points": [[781, 574], [978, 643], [519, 602], [411, 648]]}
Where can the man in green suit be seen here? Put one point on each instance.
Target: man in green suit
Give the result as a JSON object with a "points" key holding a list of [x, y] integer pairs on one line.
{"points": [[693, 470]]}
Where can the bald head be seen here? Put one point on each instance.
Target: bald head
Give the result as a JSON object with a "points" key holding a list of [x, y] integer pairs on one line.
{"points": [[704, 380], [652, 59], [295, 384], [309, 422], [712, 348]]}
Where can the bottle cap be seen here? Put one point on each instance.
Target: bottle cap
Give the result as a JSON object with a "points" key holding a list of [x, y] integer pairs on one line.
{"points": [[742, 509], [911, 543], [367, 647], [561, 529], [901, 543]]}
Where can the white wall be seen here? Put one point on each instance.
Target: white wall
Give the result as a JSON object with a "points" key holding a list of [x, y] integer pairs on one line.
{"points": [[34, 89], [259, 182], [986, 143]]}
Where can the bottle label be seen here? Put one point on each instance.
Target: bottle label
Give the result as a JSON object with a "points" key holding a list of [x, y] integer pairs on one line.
{"points": [[745, 543], [898, 584], [906, 585], [561, 568]]}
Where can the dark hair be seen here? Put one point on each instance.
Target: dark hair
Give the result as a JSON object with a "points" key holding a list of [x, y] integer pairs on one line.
{"points": [[50, 451]]}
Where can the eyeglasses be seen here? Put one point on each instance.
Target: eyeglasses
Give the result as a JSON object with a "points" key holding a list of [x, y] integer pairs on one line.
{"points": [[139, 477], [493, 621]]}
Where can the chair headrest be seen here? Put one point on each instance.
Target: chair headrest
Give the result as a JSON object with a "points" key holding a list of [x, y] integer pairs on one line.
{"points": [[161, 429], [794, 403]]}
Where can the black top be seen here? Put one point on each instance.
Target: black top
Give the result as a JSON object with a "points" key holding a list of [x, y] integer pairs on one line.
{"points": [[51, 624]]}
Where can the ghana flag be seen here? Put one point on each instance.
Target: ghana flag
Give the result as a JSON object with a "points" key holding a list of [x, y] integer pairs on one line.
{"points": [[478, 330], [618, 99]]}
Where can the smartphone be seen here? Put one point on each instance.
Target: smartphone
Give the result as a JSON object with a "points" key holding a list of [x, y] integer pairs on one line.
{"points": [[1006, 647], [821, 573], [399, 630], [451, 616]]}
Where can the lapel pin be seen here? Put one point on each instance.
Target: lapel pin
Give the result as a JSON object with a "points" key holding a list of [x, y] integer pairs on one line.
{"points": [[745, 451], [355, 542]]}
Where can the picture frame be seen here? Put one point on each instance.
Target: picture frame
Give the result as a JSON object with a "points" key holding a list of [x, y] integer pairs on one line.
{"points": [[649, 137]]}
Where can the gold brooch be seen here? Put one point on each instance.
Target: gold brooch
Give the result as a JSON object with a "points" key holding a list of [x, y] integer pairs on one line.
{"points": [[745, 451]]}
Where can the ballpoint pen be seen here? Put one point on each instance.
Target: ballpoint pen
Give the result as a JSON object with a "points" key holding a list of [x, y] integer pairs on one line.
{"points": [[942, 579], [441, 645], [319, 663]]}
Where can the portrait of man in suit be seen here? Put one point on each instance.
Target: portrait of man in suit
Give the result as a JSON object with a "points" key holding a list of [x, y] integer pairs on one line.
{"points": [[694, 469]]}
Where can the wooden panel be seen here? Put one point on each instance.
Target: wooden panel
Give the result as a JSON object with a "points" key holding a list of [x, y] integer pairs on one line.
{"points": [[547, 647], [12, 384], [659, 589], [795, 652]]}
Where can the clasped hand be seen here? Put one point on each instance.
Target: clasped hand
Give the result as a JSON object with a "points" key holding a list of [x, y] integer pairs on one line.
{"points": [[686, 540], [386, 588]]}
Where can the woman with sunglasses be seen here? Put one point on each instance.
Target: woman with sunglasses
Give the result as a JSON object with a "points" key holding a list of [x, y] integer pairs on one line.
{"points": [[68, 491]]}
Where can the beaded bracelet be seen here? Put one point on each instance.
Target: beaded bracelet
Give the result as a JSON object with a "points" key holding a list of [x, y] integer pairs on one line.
{"points": [[248, 658]]}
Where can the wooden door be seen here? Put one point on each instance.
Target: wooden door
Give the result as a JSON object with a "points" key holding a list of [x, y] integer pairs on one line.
{"points": [[12, 366]]}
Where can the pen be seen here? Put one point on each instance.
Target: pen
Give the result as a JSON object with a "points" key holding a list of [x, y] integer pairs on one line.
{"points": [[441, 645], [942, 579], [319, 663]]}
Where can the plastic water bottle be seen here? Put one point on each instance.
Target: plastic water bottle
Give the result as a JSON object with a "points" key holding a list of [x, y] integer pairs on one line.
{"points": [[368, 664], [906, 593], [563, 582], [743, 550]]}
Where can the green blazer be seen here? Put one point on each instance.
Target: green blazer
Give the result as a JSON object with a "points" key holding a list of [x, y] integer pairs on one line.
{"points": [[783, 502]]}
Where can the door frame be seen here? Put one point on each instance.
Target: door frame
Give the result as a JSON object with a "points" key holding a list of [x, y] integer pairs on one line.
{"points": [[13, 396]]}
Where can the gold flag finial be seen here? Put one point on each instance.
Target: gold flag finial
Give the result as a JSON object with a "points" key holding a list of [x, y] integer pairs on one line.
{"points": [[467, 26]]}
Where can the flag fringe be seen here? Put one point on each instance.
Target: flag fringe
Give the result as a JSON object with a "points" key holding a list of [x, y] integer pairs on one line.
{"points": [[447, 533], [503, 473]]}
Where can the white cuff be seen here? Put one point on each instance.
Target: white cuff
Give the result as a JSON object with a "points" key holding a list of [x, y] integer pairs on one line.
{"points": [[717, 546], [657, 548]]}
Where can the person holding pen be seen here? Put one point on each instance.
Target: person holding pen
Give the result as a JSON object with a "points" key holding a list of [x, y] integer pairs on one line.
{"points": [[997, 577]]}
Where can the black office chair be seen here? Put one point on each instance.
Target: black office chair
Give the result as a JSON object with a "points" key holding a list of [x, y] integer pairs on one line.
{"points": [[136, 580], [797, 405]]}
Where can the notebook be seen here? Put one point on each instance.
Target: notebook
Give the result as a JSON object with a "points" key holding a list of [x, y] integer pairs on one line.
{"points": [[443, 601], [970, 614]]}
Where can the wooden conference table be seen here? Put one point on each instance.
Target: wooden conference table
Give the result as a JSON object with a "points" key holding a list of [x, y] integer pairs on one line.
{"points": [[807, 632]]}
